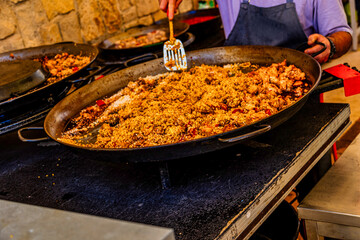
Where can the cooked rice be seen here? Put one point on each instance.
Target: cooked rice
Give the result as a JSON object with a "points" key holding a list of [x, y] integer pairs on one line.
{"points": [[176, 107]]}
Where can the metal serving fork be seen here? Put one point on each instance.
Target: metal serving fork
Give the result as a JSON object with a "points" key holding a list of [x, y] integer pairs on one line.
{"points": [[174, 52]]}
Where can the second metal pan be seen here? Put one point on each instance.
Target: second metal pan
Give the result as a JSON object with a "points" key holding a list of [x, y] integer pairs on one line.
{"points": [[107, 46], [19, 76], [70, 106], [38, 52]]}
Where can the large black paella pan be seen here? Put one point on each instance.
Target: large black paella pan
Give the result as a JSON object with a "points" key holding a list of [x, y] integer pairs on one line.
{"points": [[70, 106]]}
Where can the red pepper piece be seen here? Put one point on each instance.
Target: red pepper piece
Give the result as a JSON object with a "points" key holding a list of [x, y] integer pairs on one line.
{"points": [[223, 106], [101, 76], [75, 69], [237, 110], [100, 103], [192, 132], [268, 112]]}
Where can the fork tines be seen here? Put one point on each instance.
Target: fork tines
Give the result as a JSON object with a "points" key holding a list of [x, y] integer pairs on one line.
{"points": [[174, 56]]}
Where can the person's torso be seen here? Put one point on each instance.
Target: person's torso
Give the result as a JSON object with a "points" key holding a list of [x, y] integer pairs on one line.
{"points": [[272, 26], [229, 10]]}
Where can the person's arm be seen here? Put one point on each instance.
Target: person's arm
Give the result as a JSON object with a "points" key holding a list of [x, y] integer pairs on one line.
{"points": [[329, 20], [170, 7], [342, 41]]}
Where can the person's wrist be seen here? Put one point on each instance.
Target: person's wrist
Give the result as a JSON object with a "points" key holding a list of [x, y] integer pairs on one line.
{"points": [[332, 48]]}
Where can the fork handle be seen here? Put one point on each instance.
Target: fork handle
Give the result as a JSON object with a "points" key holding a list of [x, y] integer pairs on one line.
{"points": [[171, 27]]}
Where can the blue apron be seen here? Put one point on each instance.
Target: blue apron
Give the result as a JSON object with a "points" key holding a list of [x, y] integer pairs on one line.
{"points": [[273, 26]]}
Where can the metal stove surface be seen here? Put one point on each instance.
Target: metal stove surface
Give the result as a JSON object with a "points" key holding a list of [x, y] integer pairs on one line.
{"points": [[207, 190]]}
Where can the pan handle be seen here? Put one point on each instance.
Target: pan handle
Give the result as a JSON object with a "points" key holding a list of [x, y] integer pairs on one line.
{"points": [[304, 46], [328, 86], [65, 42], [263, 129], [144, 57], [24, 139], [191, 39], [96, 70]]}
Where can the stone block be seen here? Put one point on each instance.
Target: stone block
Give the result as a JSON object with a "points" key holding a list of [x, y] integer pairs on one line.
{"points": [[124, 4], [92, 26], [131, 24], [159, 15], [7, 20], [70, 27], [146, 20], [30, 17], [50, 34], [129, 14], [17, 1], [146, 7], [111, 15], [185, 6], [12, 43], [55, 7]]}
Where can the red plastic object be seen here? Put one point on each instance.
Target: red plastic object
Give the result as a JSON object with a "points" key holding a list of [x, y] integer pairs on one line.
{"points": [[196, 20], [334, 151], [351, 78]]}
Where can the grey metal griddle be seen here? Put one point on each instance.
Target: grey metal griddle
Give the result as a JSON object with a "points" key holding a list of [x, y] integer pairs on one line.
{"points": [[19, 76]]}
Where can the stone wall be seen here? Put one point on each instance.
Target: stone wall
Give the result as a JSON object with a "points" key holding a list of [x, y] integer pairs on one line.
{"points": [[29, 23]]}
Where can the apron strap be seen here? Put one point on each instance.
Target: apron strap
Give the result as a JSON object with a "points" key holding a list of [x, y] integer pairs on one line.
{"points": [[248, 1], [289, 3], [245, 4]]}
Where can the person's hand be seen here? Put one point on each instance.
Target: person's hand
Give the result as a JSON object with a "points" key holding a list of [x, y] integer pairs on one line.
{"points": [[324, 56], [170, 7]]}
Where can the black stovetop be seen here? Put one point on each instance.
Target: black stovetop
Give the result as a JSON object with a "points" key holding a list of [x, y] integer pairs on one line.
{"points": [[207, 190]]}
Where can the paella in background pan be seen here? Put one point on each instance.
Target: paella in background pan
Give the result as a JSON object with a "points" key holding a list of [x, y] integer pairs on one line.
{"points": [[62, 70]]}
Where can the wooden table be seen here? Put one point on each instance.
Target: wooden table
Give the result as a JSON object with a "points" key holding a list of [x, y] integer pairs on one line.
{"points": [[332, 208]]}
